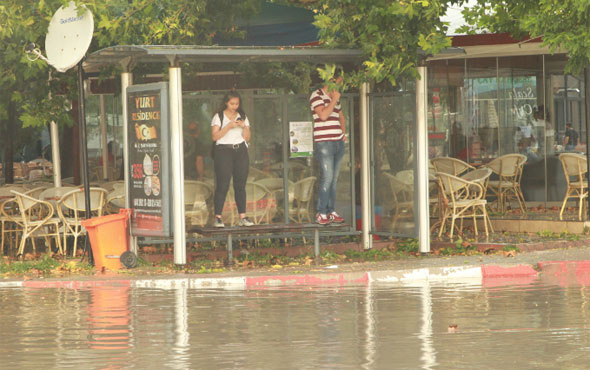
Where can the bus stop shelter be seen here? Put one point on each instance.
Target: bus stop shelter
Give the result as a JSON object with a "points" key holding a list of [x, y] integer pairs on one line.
{"points": [[128, 56]]}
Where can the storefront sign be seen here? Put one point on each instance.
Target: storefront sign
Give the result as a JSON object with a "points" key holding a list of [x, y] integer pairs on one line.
{"points": [[301, 139], [149, 186]]}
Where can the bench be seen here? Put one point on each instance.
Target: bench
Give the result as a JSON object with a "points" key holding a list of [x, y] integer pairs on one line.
{"points": [[267, 229]]}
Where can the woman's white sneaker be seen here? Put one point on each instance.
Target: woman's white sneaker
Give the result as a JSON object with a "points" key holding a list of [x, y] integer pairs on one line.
{"points": [[245, 222], [218, 222]]}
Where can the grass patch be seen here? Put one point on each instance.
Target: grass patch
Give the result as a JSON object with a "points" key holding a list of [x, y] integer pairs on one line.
{"points": [[461, 248], [546, 234], [408, 246], [47, 265]]}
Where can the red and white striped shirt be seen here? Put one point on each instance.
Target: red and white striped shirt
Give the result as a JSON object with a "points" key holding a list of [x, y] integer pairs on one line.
{"points": [[330, 129]]}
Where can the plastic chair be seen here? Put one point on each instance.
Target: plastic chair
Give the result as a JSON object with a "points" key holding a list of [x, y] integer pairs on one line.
{"points": [[37, 220], [452, 166], [71, 209], [300, 200], [509, 170], [462, 199], [575, 167]]}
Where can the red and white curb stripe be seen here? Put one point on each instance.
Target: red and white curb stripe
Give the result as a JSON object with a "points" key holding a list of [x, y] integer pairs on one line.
{"points": [[486, 275]]}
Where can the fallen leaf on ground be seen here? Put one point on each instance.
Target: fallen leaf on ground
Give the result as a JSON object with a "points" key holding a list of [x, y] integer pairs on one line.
{"points": [[511, 253]]}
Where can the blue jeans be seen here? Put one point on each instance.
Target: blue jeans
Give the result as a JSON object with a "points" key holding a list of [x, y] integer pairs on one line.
{"points": [[329, 155]]}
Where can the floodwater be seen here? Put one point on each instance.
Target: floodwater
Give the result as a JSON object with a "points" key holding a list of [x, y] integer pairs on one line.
{"points": [[532, 326]]}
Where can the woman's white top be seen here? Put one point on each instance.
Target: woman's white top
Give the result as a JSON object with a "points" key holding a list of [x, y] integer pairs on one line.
{"points": [[234, 135]]}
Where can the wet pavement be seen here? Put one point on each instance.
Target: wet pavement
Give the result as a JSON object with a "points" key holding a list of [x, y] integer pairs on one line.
{"points": [[530, 312], [420, 325]]}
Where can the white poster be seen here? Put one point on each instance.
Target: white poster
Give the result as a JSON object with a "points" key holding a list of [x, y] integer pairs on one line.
{"points": [[301, 139]]}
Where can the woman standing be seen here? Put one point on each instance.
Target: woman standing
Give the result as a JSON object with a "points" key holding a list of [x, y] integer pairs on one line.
{"points": [[230, 130]]}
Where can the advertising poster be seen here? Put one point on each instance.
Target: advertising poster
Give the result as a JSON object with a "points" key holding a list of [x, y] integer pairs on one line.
{"points": [[300, 139], [147, 110]]}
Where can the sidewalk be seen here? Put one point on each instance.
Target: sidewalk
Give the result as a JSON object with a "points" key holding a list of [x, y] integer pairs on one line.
{"points": [[558, 265]]}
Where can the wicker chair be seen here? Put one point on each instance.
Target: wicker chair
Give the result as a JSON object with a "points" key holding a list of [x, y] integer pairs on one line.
{"points": [[451, 166], [37, 220], [71, 209], [463, 199], [508, 168], [575, 167]]}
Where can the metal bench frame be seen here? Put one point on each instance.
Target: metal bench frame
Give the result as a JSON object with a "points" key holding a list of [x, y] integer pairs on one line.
{"points": [[272, 230]]}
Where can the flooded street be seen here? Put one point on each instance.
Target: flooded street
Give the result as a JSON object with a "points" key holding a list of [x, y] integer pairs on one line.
{"points": [[427, 326]]}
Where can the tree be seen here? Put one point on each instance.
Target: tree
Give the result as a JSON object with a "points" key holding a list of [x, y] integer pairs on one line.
{"points": [[394, 35], [560, 25], [25, 88]]}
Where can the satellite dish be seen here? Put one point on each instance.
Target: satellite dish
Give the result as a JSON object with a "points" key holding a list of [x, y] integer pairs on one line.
{"points": [[68, 36]]}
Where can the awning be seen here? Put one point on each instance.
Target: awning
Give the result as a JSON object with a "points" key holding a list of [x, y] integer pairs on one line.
{"points": [[217, 54]]}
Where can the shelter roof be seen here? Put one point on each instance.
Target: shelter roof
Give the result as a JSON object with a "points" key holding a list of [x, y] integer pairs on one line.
{"points": [[124, 54]]}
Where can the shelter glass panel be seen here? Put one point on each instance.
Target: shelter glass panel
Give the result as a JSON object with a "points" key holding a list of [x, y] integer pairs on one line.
{"points": [[269, 113], [266, 152], [108, 108], [392, 131]]}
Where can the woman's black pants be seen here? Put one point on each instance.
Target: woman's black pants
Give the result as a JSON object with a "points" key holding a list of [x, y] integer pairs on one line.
{"points": [[230, 161]]}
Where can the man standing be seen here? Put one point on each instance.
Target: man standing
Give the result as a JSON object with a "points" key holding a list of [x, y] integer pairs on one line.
{"points": [[329, 135], [571, 137]]}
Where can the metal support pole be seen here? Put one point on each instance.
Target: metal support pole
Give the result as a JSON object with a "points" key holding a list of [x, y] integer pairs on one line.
{"points": [[316, 242], [126, 81], [365, 168], [83, 142], [177, 163], [421, 162], [55, 156], [230, 249], [103, 138], [587, 119]]}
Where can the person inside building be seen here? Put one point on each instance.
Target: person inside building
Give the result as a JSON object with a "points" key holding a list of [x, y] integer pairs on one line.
{"points": [[230, 131], [329, 135], [194, 152], [570, 141]]}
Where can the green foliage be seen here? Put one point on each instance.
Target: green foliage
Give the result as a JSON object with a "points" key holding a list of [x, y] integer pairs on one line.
{"points": [[295, 77], [562, 235], [368, 255], [32, 94], [561, 25], [46, 265], [459, 250], [508, 248], [394, 35], [330, 257], [408, 246]]}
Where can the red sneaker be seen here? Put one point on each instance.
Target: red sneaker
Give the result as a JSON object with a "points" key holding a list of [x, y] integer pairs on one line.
{"points": [[322, 219], [335, 218]]}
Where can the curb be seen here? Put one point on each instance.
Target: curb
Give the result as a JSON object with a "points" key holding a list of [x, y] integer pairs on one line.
{"points": [[485, 275]]}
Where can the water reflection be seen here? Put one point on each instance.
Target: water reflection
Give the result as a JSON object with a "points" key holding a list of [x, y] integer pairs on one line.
{"points": [[375, 327]]}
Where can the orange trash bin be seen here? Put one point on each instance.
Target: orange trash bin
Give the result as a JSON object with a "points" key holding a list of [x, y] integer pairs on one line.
{"points": [[109, 238]]}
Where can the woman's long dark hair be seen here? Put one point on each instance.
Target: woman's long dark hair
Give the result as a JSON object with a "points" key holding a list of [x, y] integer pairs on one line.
{"points": [[227, 97]]}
